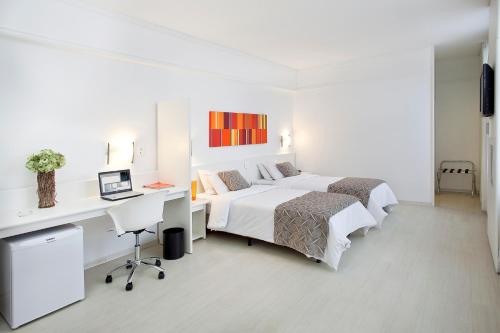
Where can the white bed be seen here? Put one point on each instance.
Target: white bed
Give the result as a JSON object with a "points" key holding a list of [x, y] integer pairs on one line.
{"points": [[250, 213], [380, 197]]}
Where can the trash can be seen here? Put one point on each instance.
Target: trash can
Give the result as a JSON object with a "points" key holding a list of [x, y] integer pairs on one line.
{"points": [[173, 243]]}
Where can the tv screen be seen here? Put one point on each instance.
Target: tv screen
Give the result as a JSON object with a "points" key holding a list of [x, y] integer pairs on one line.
{"points": [[487, 91]]}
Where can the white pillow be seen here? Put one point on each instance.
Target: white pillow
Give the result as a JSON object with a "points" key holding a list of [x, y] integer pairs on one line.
{"points": [[263, 171], [206, 183], [273, 170], [263, 182], [215, 182]]}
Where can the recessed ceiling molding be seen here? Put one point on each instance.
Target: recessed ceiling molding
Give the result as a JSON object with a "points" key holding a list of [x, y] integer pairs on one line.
{"points": [[32, 38], [123, 39]]}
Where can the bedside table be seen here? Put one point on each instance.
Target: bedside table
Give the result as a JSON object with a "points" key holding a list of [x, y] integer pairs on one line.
{"points": [[199, 219]]}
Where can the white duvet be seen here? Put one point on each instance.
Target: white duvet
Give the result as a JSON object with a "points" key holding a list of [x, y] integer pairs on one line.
{"points": [[250, 213], [380, 197]]}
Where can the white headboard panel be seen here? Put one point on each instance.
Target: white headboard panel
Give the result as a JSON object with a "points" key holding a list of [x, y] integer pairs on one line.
{"points": [[252, 172], [247, 167], [229, 165]]}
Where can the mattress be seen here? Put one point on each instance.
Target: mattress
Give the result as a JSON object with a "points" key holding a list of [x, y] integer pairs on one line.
{"points": [[251, 214]]}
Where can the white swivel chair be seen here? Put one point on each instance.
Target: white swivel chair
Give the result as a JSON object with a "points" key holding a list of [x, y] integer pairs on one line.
{"points": [[134, 216]]}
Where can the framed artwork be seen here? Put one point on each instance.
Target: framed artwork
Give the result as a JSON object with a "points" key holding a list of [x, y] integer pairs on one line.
{"points": [[234, 129]]}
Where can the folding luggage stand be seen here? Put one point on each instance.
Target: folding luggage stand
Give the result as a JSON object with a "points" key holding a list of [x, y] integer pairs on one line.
{"points": [[464, 168]]}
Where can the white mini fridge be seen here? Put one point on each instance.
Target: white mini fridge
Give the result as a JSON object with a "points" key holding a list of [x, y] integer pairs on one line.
{"points": [[41, 272]]}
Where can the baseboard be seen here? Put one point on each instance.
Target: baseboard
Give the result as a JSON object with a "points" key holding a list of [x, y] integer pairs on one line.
{"points": [[451, 190], [117, 255], [416, 203]]}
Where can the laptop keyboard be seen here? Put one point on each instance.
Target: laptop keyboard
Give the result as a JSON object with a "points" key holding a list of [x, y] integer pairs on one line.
{"points": [[123, 195]]}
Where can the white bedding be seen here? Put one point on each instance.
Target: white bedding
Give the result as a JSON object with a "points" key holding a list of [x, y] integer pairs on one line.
{"points": [[250, 213], [380, 197]]}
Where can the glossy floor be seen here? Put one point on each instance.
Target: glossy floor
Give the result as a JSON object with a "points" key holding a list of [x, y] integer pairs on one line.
{"points": [[428, 270]]}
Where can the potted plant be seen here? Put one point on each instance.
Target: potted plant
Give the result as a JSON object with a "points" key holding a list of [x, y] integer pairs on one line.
{"points": [[44, 164]]}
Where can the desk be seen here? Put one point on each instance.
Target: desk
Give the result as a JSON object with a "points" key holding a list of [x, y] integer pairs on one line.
{"points": [[68, 212]]}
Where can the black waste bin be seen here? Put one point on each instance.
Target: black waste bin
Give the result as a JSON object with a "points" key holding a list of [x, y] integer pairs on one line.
{"points": [[173, 243]]}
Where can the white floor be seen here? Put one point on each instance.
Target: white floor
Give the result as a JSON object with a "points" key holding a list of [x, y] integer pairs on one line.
{"points": [[428, 270]]}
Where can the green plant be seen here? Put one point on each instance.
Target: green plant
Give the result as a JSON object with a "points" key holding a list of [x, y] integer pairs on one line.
{"points": [[46, 160]]}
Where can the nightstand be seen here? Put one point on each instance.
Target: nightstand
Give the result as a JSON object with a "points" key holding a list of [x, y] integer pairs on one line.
{"points": [[199, 219]]}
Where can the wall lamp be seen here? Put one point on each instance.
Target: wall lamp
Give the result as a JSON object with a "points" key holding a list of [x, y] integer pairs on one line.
{"points": [[120, 152], [286, 140]]}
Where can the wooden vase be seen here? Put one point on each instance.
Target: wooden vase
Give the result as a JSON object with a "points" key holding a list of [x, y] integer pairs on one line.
{"points": [[46, 189]]}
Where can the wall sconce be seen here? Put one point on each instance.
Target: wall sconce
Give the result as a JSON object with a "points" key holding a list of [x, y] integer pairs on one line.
{"points": [[121, 152], [286, 140]]}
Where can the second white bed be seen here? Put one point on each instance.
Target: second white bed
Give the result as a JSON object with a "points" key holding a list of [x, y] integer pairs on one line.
{"points": [[380, 197], [250, 213]]}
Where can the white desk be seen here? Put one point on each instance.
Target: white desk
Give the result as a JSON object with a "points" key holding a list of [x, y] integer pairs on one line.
{"points": [[67, 212]]}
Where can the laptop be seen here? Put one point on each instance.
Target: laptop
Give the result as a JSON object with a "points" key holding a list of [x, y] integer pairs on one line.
{"points": [[116, 185]]}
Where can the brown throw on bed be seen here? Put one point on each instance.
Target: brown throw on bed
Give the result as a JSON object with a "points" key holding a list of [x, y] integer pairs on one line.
{"points": [[302, 223], [361, 188]]}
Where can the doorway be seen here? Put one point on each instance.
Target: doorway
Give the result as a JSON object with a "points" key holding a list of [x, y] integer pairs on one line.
{"points": [[458, 142]]}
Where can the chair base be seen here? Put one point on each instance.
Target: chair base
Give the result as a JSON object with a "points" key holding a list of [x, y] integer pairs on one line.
{"points": [[133, 264], [151, 262]]}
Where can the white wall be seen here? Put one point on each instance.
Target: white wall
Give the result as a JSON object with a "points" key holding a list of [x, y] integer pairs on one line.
{"points": [[75, 100], [73, 79], [493, 146], [378, 110], [72, 24], [458, 121]]}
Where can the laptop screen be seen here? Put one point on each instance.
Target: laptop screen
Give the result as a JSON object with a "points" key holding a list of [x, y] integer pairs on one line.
{"points": [[115, 181]]}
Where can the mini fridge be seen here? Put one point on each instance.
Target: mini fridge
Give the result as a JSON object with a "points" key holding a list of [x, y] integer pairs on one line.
{"points": [[41, 272]]}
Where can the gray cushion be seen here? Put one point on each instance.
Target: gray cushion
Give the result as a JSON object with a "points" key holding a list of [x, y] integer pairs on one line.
{"points": [[233, 180], [287, 169]]}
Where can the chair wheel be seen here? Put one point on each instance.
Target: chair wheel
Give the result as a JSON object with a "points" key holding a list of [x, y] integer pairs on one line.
{"points": [[129, 266], [158, 262], [109, 278], [161, 275], [129, 286]]}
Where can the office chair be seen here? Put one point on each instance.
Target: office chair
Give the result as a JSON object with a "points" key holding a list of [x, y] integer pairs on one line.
{"points": [[134, 216]]}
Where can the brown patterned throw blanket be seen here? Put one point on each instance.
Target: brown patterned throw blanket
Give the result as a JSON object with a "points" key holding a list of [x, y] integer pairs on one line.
{"points": [[361, 188], [302, 223]]}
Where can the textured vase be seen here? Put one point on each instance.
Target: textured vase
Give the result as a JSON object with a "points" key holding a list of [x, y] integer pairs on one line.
{"points": [[46, 189]]}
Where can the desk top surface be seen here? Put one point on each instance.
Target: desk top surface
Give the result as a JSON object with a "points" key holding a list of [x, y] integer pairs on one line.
{"points": [[15, 217]]}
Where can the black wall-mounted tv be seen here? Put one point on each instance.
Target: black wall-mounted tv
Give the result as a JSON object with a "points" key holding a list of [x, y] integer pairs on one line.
{"points": [[487, 91]]}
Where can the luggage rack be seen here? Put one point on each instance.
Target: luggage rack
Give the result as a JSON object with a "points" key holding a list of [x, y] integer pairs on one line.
{"points": [[464, 168]]}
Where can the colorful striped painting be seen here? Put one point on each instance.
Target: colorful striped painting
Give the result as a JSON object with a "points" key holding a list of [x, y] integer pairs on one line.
{"points": [[234, 129]]}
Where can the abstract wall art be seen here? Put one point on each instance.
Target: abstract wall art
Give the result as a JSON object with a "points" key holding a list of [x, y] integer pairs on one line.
{"points": [[234, 129]]}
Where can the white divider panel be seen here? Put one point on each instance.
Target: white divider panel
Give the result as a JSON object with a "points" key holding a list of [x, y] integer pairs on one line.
{"points": [[248, 167], [174, 163], [253, 173], [216, 167]]}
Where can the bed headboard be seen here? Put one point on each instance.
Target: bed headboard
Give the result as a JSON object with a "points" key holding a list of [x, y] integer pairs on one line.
{"points": [[252, 172], [247, 167]]}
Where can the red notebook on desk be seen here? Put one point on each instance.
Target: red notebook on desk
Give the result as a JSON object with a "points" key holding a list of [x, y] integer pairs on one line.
{"points": [[158, 185]]}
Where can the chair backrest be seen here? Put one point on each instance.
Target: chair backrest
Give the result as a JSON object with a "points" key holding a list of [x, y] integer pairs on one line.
{"points": [[138, 213]]}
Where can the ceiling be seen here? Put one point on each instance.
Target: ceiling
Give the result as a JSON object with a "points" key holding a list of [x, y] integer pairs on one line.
{"points": [[308, 33]]}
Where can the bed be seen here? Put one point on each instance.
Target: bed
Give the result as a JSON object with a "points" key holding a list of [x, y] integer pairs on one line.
{"points": [[250, 212], [381, 197]]}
